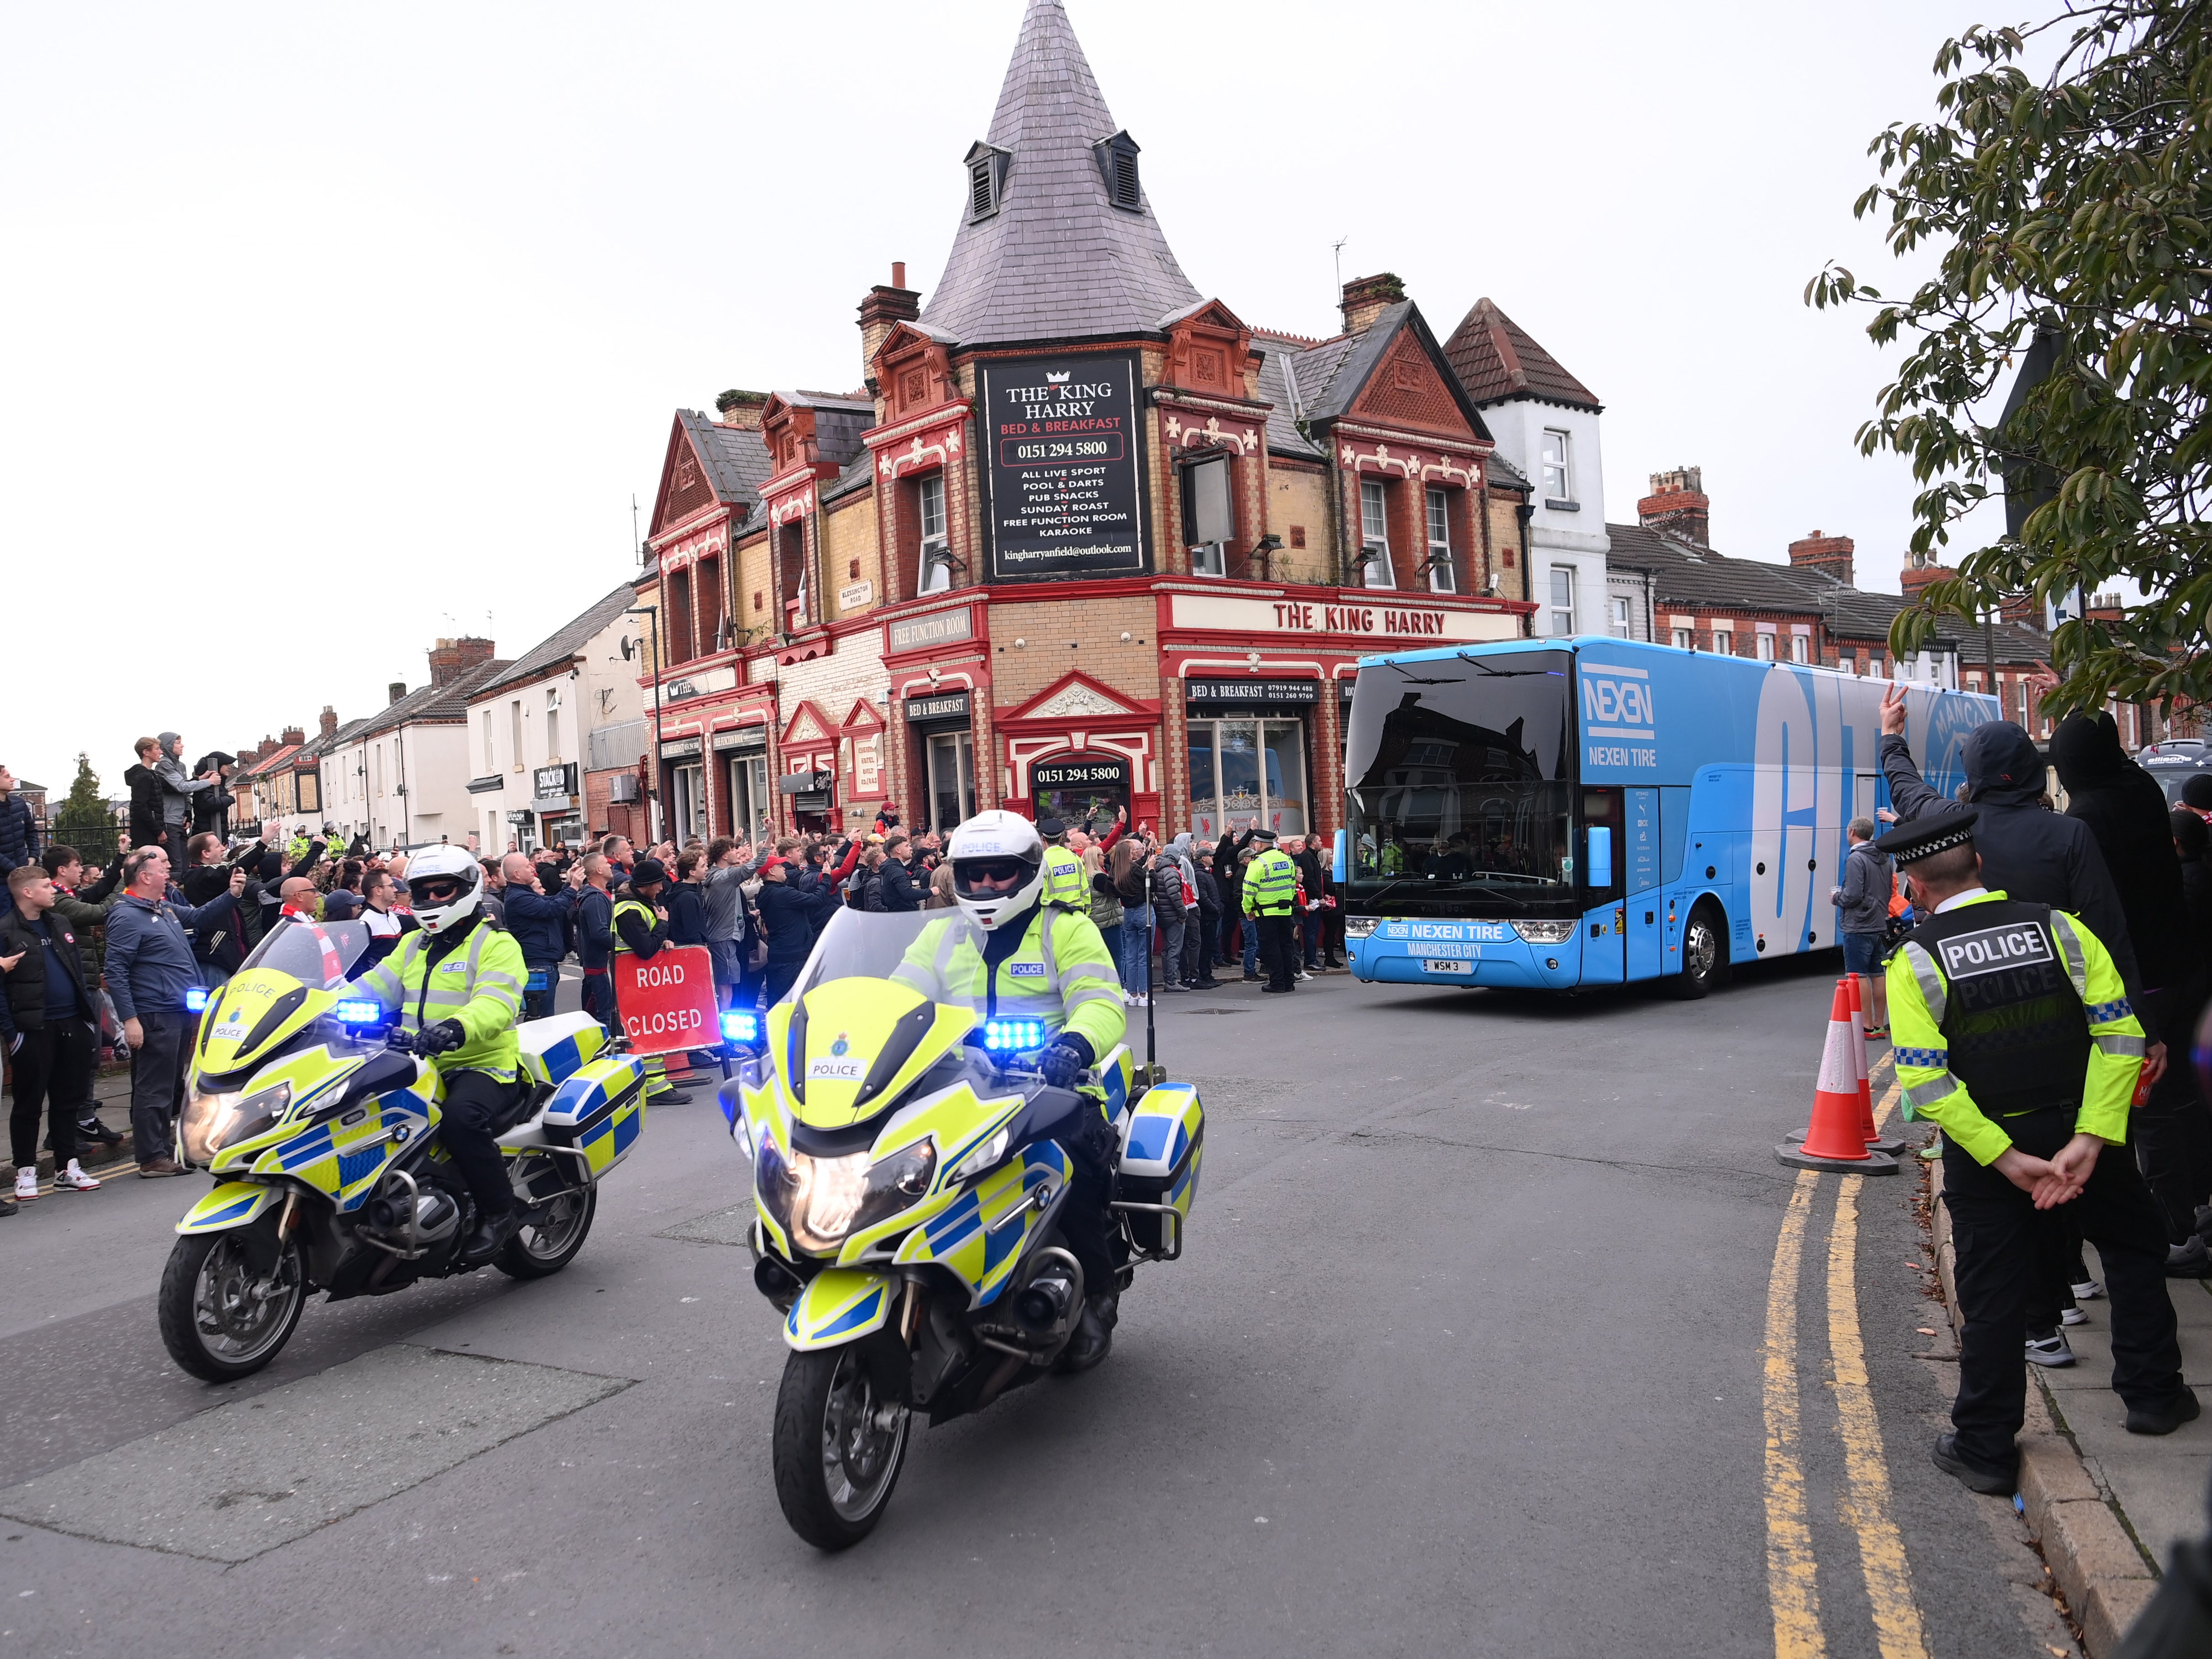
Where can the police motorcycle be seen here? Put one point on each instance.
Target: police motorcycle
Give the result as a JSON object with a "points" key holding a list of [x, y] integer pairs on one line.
{"points": [[319, 1125], [910, 1166]]}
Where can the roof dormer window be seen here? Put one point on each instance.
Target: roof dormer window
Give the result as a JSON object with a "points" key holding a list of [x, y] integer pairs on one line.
{"points": [[986, 180], [1117, 164]]}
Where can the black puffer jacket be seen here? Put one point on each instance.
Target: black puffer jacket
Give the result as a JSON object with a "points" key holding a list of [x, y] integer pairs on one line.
{"points": [[2027, 850], [146, 809], [2127, 813]]}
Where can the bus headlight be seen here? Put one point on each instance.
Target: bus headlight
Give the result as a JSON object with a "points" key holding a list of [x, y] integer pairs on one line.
{"points": [[1545, 933], [1360, 926]]}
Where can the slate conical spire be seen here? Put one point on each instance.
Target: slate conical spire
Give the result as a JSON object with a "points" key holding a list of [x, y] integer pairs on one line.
{"points": [[1057, 259]]}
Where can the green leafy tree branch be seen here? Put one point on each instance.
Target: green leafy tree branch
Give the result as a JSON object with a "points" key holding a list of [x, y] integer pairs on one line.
{"points": [[2073, 217]]}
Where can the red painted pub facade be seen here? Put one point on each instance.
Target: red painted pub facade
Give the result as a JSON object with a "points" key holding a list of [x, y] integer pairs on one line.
{"points": [[1083, 539]]}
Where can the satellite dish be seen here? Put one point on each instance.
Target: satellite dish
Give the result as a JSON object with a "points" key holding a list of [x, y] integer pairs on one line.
{"points": [[625, 647]]}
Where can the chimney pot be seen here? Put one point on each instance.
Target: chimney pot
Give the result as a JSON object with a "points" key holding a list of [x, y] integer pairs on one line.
{"points": [[884, 309], [1365, 298]]}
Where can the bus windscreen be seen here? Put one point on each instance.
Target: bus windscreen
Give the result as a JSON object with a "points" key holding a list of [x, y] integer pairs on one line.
{"points": [[1460, 778]]}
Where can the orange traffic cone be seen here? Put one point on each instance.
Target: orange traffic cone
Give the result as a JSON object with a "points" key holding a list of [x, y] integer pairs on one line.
{"points": [[1833, 1140], [1873, 1136]]}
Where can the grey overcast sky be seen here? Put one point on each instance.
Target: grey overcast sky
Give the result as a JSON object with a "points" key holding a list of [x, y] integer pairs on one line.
{"points": [[330, 329]]}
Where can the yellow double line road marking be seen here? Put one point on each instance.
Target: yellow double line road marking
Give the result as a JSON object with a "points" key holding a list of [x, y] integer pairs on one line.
{"points": [[1792, 1572]]}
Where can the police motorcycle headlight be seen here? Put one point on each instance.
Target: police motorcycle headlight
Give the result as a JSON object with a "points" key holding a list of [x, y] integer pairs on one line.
{"points": [[1360, 926], [819, 1202], [1545, 933], [211, 1122]]}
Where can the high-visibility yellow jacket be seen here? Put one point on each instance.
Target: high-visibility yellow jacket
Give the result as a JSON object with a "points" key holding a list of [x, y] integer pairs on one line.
{"points": [[2080, 1003], [478, 982], [1060, 974], [1271, 884], [1064, 880]]}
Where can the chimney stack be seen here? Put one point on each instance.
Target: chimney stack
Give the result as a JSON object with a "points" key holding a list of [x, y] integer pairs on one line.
{"points": [[1921, 570], [741, 408], [395, 690], [1677, 504], [880, 311], [293, 737], [2021, 608], [1831, 554], [1365, 298], [450, 658], [330, 722]]}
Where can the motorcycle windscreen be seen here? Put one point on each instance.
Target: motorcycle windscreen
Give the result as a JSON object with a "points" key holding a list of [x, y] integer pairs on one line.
{"points": [[880, 1000]]}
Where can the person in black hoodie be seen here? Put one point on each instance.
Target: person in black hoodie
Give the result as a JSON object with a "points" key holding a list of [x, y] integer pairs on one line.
{"points": [[2127, 814], [2030, 852], [211, 807], [145, 798]]}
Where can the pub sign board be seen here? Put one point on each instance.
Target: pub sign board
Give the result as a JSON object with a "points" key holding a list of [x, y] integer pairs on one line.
{"points": [[1065, 477]]}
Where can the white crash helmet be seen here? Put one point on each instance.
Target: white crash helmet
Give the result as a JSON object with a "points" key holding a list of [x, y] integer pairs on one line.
{"points": [[996, 845], [442, 865]]}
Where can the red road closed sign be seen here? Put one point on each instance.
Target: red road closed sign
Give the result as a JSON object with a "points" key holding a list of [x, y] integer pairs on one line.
{"points": [[667, 1004]]}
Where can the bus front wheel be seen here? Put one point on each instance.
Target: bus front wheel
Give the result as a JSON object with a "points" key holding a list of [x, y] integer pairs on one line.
{"points": [[1705, 952]]}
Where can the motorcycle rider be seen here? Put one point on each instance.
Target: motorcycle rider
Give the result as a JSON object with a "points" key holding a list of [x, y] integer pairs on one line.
{"points": [[1037, 961], [456, 984]]}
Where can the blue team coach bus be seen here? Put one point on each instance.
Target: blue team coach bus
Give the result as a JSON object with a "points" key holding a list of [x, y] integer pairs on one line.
{"points": [[1587, 811]]}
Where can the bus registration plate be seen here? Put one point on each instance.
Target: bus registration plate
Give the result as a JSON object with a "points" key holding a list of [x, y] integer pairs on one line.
{"points": [[1445, 965]]}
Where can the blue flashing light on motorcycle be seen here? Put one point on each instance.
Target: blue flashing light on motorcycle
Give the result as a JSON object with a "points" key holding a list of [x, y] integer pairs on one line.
{"points": [[196, 999], [1012, 1034], [360, 1011], [741, 1025]]}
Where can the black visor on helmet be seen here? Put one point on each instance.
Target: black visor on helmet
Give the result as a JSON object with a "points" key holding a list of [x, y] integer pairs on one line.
{"points": [[436, 890], [988, 878]]}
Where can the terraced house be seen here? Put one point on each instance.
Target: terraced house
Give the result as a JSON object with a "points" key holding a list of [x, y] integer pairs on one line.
{"points": [[1083, 536]]}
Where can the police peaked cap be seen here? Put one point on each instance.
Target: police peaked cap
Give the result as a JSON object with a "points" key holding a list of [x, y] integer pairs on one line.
{"points": [[1051, 826], [1925, 838], [1263, 835]]}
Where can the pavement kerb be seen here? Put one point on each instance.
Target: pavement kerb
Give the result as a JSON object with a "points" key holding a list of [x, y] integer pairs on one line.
{"points": [[2085, 1540]]}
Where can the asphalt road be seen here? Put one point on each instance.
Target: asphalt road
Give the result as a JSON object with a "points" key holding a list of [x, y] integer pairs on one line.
{"points": [[1467, 1355]]}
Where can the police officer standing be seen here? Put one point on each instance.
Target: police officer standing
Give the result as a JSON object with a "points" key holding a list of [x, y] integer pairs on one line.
{"points": [[2013, 1031], [640, 927], [1065, 884], [1271, 890]]}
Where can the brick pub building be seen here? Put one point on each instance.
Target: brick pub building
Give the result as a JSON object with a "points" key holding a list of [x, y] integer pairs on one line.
{"points": [[1083, 538]]}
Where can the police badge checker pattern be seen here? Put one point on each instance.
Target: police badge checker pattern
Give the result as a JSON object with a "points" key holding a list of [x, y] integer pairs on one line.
{"points": [[1989, 1004]]}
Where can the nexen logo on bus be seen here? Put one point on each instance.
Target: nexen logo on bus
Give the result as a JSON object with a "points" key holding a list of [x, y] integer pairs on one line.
{"points": [[1619, 708]]}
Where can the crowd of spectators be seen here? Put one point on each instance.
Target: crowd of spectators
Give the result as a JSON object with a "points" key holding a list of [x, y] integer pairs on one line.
{"points": [[121, 935]]}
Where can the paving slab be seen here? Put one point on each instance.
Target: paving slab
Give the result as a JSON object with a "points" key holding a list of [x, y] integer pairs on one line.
{"points": [[234, 1482], [727, 1227]]}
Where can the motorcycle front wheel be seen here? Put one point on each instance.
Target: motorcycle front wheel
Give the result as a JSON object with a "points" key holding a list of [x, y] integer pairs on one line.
{"points": [[838, 1447], [220, 1320]]}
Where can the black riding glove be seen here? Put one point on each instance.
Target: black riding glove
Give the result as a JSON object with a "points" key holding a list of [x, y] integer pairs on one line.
{"points": [[445, 1035], [1064, 1062]]}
